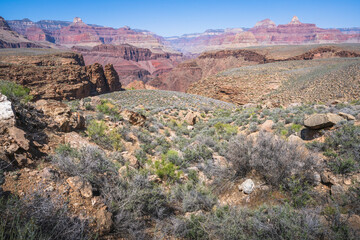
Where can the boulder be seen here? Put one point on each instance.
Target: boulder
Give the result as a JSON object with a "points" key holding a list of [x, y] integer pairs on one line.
{"points": [[320, 121], [348, 117], [104, 220], [77, 184], [247, 186], [328, 178], [295, 139], [75, 140], [62, 117], [49, 174], [134, 118], [19, 136], [191, 118], [354, 223], [7, 118], [267, 126]]}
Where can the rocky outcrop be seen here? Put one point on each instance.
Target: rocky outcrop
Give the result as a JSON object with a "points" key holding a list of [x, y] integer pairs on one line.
{"points": [[130, 62], [112, 78], [7, 118], [319, 121], [58, 75], [134, 118], [61, 117]]}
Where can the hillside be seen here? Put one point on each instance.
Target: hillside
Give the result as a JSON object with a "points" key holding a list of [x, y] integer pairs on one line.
{"points": [[154, 164], [284, 82], [211, 63]]}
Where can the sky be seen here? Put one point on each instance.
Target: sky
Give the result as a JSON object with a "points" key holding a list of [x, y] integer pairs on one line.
{"points": [[176, 17]]}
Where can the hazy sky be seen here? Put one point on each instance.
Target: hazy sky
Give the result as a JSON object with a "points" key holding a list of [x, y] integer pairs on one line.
{"points": [[176, 17]]}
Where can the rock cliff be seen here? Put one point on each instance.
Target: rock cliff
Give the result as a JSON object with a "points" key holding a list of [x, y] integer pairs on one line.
{"points": [[58, 75]]}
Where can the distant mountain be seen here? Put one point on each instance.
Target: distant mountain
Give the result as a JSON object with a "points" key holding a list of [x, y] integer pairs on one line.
{"points": [[78, 33], [11, 39], [265, 32]]}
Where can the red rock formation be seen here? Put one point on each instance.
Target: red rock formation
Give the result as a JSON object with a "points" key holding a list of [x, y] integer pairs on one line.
{"points": [[11, 39], [58, 75], [295, 32], [131, 63], [264, 32], [112, 78]]}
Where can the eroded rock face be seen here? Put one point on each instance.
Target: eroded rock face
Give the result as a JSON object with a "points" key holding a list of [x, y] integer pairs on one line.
{"points": [[62, 117], [58, 75], [11, 39], [130, 62], [97, 77], [133, 117], [84, 187], [112, 78], [319, 121]]}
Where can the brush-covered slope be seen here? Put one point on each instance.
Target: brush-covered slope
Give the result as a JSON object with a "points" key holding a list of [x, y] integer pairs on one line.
{"points": [[285, 82]]}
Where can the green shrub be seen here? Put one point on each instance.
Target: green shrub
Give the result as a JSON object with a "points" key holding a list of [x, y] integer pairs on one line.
{"points": [[299, 191], [197, 153], [15, 92], [173, 157], [115, 138], [166, 170], [109, 108], [223, 128], [343, 148], [296, 127], [342, 165]]}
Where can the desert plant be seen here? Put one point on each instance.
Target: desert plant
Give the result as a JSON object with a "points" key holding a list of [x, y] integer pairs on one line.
{"points": [[273, 158], [39, 217], [15, 92]]}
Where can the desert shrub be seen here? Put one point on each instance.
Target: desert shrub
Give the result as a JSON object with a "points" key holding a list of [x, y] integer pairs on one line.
{"points": [[38, 217], [173, 157], [96, 129], [74, 105], [273, 158], [133, 203], [253, 127], [115, 138], [344, 144], [278, 222], [108, 108], [15, 92], [166, 170], [197, 153], [338, 226], [223, 128], [89, 163], [299, 191], [193, 197], [342, 165]]}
